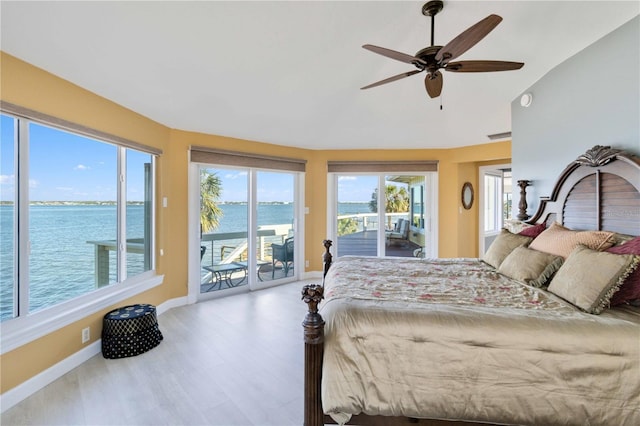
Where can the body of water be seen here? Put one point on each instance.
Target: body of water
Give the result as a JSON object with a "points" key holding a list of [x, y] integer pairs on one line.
{"points": [[62, 259]]}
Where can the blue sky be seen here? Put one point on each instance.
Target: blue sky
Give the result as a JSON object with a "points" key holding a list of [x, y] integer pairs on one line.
{"points": [[356, 188], [67, 167], [274, 186]]}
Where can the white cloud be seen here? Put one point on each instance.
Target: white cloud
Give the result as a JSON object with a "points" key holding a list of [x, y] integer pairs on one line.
{"points": [[235, 175], [81, 167], [7, 179], [341, 178]]}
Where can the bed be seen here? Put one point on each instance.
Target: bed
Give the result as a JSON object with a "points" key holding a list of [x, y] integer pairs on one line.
{"points": [[525, 335]]}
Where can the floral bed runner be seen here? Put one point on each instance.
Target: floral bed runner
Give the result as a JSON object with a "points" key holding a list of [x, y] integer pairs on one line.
{"points": [[461, 282]]}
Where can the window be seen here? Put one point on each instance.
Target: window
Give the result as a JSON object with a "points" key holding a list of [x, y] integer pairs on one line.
{"points": [[249, 214], [77, 215], [400, 223], [237, 219], [493, 210], [507, 196], [497, 199], [417, 206], [7, 217]]}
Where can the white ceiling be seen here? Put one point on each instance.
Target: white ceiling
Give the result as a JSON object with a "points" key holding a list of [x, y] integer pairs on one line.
{"points": [[289, 73]]}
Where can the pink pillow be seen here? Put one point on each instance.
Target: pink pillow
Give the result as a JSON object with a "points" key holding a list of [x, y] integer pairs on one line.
{"points": [[533, 231], [561, 241], [630, 289]]}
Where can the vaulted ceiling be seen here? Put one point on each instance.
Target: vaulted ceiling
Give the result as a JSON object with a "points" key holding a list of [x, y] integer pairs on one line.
{"points": [[289, 73]]}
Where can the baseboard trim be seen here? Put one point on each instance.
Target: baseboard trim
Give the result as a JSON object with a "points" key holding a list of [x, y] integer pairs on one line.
{"points": [[312, 275], [170, 304], [39, 381]]}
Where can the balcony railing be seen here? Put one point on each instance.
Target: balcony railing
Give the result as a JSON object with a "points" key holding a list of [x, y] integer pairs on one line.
{"points": [[231, 247]]}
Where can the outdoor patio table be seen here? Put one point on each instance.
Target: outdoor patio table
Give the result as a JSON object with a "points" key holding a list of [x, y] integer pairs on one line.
{"points": [[223, 272], [259, 264]]}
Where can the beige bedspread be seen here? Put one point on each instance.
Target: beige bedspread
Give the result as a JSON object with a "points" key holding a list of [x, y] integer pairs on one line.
{"points": [[453, 339]]}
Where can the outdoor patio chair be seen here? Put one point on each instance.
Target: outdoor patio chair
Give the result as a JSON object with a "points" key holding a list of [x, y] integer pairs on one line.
{"points": [[283, 254], [401, 232]]}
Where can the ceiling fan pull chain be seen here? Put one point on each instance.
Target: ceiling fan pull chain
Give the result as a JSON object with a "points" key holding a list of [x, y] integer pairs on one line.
{"points": [[440, 102]]}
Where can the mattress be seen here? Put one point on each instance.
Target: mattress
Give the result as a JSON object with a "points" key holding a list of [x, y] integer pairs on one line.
{"points": [[454, 339]]}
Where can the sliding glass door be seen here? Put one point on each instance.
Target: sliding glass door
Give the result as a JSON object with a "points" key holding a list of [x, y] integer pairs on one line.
{"points": [[247, 223], [224, 216], [275, 236], [357, 218], [378, 214]]}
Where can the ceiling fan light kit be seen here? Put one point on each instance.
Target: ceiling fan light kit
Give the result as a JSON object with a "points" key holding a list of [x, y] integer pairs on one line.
{"points": [[433, 58]]}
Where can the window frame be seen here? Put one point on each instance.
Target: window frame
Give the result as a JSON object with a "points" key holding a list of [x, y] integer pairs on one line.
{"points": [[426, 169], [497, 170], [495, 214], [26, 327], [246, 162]]}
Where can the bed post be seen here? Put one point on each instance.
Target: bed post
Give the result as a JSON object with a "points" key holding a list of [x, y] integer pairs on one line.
{"points": [[313, 325], [327, 258]]}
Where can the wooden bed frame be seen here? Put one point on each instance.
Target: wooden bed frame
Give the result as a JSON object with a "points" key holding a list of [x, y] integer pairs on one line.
{"points": [[600, 190]]}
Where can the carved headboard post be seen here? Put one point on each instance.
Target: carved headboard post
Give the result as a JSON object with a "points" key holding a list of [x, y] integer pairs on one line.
{"points": [[522, 205]]}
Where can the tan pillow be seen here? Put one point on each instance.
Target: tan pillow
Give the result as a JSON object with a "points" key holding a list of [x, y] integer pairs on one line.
{"points": [[504, 244], [561, 241], [620, 239], [530, 266], [515, 226], [588, 278]]}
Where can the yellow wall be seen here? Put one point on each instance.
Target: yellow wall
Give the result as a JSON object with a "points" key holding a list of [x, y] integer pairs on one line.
{"points": [[30, 87]]}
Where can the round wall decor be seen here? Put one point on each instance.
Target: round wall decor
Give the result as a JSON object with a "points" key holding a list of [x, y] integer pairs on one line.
{"points": [[467, 195]]}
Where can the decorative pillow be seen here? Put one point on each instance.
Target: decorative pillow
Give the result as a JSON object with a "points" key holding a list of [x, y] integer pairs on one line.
{"points": [[515, 226], [619, 239], [561, 241], [530, 266], [630, 289], [504, 244], [589, 278], [534, 230]]}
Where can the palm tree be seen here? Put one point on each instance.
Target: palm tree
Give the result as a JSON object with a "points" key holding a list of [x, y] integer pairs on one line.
{"points": [[396, 200], [210, 191]]}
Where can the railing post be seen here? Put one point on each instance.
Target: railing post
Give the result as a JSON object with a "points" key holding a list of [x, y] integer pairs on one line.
{"points": [[313, 325]]}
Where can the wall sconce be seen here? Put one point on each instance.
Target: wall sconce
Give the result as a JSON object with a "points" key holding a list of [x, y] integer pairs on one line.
{"points": [[526, 99]]}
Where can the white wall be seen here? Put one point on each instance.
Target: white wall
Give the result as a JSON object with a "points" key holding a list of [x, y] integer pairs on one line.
{"points": [[593, 98]]}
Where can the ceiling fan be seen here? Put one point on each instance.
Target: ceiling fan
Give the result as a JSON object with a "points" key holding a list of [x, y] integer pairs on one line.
{"points": [[433, 58]]}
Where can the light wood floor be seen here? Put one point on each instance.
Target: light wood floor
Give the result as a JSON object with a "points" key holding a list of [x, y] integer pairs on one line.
{"points": [[237, 360]]}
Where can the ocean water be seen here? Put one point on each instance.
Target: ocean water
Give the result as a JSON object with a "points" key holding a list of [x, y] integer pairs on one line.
{"points": [[62, 261]]}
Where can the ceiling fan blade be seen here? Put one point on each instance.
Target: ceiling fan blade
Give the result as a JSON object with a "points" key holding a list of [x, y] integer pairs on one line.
{"points": [[483, 66], [390, 79], [398, 56], [433, 84], [467, 39]]}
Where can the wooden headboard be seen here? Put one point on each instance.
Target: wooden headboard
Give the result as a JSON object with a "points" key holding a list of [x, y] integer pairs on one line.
{"points": [[600, 190]]}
